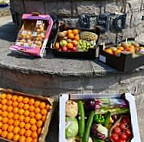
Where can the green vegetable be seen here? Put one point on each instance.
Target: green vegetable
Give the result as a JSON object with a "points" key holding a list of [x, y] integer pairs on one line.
{"points": [[71, 127], [98, 140], [107, 119], [99, 119], [88, 127], [81, 118]]}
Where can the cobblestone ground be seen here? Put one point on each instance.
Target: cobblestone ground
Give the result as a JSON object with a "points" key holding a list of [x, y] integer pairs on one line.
{"points": [[8, 35]]}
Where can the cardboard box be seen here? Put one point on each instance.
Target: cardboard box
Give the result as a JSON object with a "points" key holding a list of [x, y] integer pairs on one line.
{"points": [[47, 100], [123, 63], [127, 96], [34, 34]]}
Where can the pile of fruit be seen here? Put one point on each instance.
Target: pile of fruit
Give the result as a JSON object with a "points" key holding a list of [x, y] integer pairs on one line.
{"points": [[98, 120], [130, 47], [22, 118], [33, 35], [75, 40]]}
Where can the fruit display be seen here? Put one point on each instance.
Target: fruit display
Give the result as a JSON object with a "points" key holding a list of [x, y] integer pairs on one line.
{"points": [[32, 34], [98, 120], [22, 118], [128, 47], [74, 40]]}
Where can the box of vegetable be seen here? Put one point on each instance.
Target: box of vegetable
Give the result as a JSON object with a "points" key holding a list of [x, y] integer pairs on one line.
{"points": [[75, 42], [98, 118], [33, 35], [124, 57]]}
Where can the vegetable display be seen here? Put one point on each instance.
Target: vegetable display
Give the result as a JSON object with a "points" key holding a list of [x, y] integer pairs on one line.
{"points": [[74, 40], [99, 120]]}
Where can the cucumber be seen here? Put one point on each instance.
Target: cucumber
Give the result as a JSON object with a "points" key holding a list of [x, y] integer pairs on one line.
{"points": [[81, 118], [88, 127], [107, 119]]}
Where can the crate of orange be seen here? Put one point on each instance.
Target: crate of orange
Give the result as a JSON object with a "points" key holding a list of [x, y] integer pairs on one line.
{"points": [[75, 42], [23, 117], [124, 56]]}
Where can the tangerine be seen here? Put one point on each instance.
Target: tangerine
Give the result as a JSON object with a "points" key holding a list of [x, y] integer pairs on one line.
{"points": [[20, 99], [9, 108], [26, 106], [43, 111], [31, 108], [22, 139], [16, 117], [14, 98], [31, 101], [5, 120], [27, 119], [22, 124], [44, 118], [32, 114], [42, 105], [0, 106], [75, 31], [39, 124], [16, 123], [26, 113], [33, 128], [48, 107], [28, 139], [20, 105], [1, 118], [39, 131], [4, 113], [27, 126], [77, 38], [21, 111], [15, 110], [25, 100], [16, 138], [3, 95], [69, 31], [10, 115], [1, 124], [37, 110], [9, 96], [32, 121], [21, 118], [15, 104], [9, 102], [10, 136], [10, 128], [5, 127], [0, 131], [22, 132], [4, 107], [38, 116], [28, 133], [16, 130], [4, 134], [37, 103], [34, 135], [71, 35], [11, 121]]}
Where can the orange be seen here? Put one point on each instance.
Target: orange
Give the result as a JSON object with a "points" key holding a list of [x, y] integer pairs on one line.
{"points": [[4, 107], [15, 110], [34, 135], [14, 98], [4, 114], [37, 103], [42, 105], [10, 136], [109, 51], [39, 131], [28, 139], [16, 123], [27, 119], [10, 128], [5, 127], [32, 115], [16, 138], [44, 118], [10, 115], [16, 117], [69, 31], [22, 139], [9, 109], [9, 102], [75, 31], [4, 134], [0, 112], [21, 118], [22, 124], [0, 131], [5, 120], [32, 121], [77, 38], [71, 35], [22, 132], [121, 48], [31, 101], [37, 110], [31, 108], [28, 133], [15, 104], [20, 105], [48, 107], [1, 124], [20, 99], [9, 96], [43, 111], [1, 118], [35, 140], [11, 121], [39, 124], [38, 116], [117, 52], [21, 111], [0, 106], [27, 126], [26, 106], [3, 95], [33, 128], [16, 130], [26, 113], [25, 100]]}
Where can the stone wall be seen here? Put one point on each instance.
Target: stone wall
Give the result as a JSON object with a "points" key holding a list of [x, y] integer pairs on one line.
{"points": [[70, 11]]}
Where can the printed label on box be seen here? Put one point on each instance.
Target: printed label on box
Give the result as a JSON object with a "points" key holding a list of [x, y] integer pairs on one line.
{"points": [[102, 58], [33, 45], [26, 44], [39, 22], [18, 43], [34, 34]]}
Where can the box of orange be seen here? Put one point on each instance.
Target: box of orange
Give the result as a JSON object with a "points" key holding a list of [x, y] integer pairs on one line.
{"points": [[23, 117]]}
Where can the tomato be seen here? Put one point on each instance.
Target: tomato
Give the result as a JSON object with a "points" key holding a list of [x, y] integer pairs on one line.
{"points": [[125, 120], [123, 126], [128, 132], [121, 141], [117, 130], [115, 137], [123, 137]]}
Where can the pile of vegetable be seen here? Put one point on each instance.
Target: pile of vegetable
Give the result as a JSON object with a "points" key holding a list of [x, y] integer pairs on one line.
{"points": [[98, 120]]}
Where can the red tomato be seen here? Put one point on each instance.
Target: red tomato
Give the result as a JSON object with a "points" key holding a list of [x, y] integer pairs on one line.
{"points": [[128, 132], [115, 137], [125, 120], [117, 130], [121, 141], [123, 137], [123, 126]]}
